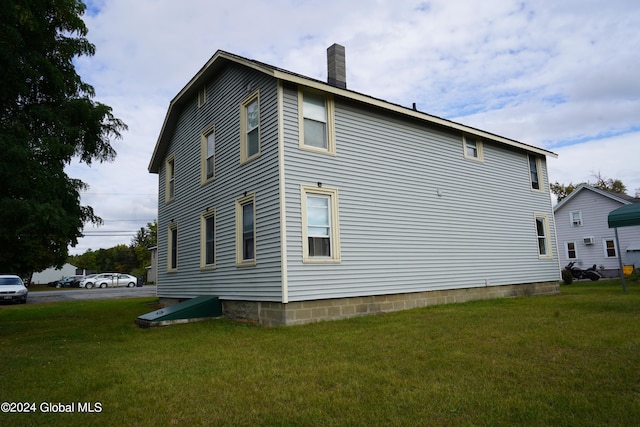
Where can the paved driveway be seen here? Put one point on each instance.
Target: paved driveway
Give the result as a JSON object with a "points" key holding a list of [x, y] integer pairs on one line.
{"points": [[87, 294]]}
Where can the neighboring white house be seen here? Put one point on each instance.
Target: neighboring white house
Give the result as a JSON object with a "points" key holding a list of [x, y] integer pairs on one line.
{"points": [[294, 200], [584, 235], [51, 274]]}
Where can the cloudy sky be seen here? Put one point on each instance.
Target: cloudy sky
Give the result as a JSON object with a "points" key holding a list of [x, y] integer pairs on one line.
{"points": [[561, 75]]}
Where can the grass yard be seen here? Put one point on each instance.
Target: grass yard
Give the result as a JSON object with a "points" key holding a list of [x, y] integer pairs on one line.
{"points": [[566, 360]]}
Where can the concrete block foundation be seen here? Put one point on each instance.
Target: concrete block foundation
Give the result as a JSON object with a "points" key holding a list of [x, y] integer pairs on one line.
{"points": [[301, 312]]}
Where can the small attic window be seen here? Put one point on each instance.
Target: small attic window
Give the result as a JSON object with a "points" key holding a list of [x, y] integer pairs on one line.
{"points": [[202, 96]]}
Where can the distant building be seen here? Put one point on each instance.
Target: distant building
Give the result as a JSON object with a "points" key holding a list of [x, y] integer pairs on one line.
{"points": [[51, 274], [584, 235]]}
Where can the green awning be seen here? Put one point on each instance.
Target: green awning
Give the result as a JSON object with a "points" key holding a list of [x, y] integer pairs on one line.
{"points": [[625, 216]]}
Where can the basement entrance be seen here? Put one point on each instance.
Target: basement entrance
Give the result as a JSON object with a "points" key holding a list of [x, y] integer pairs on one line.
{"points": [[192, 310]]}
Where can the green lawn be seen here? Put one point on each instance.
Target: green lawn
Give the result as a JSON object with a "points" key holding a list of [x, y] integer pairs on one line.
{"points": [[570, 359]]}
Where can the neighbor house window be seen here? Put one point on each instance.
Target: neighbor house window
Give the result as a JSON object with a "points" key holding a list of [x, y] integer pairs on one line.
{"points": [[246, 231], [535, 167], [202, 96], [571, 250], [320, 230], [472, 148], [576, 219], [250, 125], [208, 143], [316, 121], [542, 234], [170, 179], [610, 250], [172, 247], [207, 239]]}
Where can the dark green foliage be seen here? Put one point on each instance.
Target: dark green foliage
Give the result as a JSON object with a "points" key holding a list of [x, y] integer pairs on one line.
{"points": [[47, 118]]}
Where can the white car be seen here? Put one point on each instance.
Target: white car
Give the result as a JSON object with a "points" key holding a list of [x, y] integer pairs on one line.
{"points": [[105, 280], [12, 289]]}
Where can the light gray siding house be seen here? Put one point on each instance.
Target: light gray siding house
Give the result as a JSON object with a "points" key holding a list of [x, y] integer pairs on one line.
{"points": [[295, 200], [584, 235]]}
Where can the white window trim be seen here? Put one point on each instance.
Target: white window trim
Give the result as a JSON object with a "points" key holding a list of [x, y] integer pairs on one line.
{"points": [[539, 172], [244, 157], [172, 226], [171, 160], [331, 135], [480, 156], [332, 193], [240, 262], [210, 213], [547, 236], [571, 219], [566, 249], [203, 155], [604, 246]]}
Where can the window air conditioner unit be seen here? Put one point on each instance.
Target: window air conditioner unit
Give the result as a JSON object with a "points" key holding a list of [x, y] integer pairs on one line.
{"points": [[589, 240]]}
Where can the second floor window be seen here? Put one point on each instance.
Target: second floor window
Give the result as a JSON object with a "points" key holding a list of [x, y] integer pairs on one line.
{"points": [[576, 219], [472, 148], [250, 124], [316, 122], [534, 171], [208, 154], [170, 179]]}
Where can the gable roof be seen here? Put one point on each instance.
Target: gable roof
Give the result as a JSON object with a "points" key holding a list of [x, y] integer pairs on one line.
{"points": [[620, 198], [221, 59]]}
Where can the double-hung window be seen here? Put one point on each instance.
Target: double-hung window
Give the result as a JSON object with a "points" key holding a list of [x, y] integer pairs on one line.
{"points": [[170, 179], [535, 171], [207, 239], [208, 141], [610, 250], [316, 121], [321, 233], [572, 252], [576, 219], [246, 231], [250, 128], [542, 234], [172, 247], [472, 148]]}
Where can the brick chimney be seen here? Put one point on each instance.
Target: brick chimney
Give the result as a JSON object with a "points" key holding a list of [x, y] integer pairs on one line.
{"points": [[336, 66]]}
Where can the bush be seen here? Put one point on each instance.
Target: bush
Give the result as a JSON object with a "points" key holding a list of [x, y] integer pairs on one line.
{"points": [[567, 277]]}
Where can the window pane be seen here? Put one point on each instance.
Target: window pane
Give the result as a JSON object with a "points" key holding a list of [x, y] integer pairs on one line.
{"points": [[252, 143], [173, 262], [319, 247], [247, 232], [533, 167], [315, 134], [209, 241], [472, 148], [253, 116], [314, 107], [318, 226]]}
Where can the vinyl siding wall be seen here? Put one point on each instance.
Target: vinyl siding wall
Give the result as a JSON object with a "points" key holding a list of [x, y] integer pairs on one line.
{"points": [[595, 210], [260, 176], [397, 234]]}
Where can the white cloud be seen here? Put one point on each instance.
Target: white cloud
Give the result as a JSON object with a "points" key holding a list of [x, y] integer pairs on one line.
{"points": [[545, 73]]}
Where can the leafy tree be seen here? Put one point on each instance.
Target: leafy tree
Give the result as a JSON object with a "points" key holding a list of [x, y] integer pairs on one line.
{"points": [[145, 239], [47, 118], [613, 185]]}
